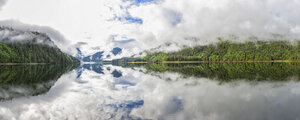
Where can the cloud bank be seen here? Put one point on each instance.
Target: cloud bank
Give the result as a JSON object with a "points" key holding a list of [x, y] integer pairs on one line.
{"points": [[2, 2], [23, 36], [196, 22], [138, 25]]}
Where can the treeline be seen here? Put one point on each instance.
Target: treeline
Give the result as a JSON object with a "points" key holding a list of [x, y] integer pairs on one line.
{"points": [[33, 79], [123, 61], [226, 72], [229, 51], [33, 53], [32, 74]]}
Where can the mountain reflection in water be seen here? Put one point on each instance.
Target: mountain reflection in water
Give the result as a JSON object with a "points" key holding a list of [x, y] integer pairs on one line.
{"points": [[29, 80], [175, 91]]}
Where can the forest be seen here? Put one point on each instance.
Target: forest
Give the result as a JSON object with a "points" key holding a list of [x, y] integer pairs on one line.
{"points": [[19, 46], [32, 53], [227, 72], [228, 51], [37, 79]]}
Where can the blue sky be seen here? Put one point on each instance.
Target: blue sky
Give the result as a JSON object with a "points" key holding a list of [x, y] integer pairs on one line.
{"points": [[139, 2], [128, 17]]}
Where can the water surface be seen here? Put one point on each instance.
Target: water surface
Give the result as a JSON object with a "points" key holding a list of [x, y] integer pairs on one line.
{"points": [[158, 91]]}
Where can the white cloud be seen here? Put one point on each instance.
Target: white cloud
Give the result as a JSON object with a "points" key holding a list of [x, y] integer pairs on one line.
{"points": [[2, 2], [58, 39], [168, 21]]}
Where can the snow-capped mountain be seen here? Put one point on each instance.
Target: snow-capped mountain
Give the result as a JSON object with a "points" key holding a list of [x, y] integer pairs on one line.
{"points": [[98, 56]]}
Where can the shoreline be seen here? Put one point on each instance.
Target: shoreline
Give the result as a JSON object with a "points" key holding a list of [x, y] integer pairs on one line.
{"points": [[2, 64], [252, 61], [24, 63], [179, 62]]}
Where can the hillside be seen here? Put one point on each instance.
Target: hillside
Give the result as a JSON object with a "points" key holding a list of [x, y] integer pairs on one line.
{"points": [[229, 71], [227, 51], [17, 46]]}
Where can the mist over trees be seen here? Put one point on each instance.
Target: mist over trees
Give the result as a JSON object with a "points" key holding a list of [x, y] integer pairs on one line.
{"points": [[32, 53], [230, 51], [18, 46]]}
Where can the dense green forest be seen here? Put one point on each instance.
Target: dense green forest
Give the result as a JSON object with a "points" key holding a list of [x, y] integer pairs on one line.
{"points": [[32, 53], [228, 51], [34, 79], [226, 72], [23, 46]]}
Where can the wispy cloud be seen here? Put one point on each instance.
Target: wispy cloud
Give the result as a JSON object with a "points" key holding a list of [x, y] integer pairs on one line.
{"points": [[152, 23], [54, 35]]}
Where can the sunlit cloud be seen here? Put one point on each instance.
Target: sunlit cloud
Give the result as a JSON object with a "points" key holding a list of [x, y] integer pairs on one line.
{"points": [[154, 23]]}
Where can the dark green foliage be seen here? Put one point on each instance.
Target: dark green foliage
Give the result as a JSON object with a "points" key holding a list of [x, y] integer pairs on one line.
{"points": [[122, 61], [6, 53], [32, 53], [228, 51], [29, 74], [232, 71], [36, 79]]}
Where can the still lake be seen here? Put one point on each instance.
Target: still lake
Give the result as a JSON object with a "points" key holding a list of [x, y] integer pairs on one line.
{"points": [[210, 91]]}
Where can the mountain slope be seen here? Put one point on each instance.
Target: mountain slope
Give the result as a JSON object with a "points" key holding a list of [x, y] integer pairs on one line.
{"points": [[227, 51], [18, 46]]}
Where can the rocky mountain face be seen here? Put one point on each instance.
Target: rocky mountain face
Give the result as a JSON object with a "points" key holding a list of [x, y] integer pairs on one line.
{"points": [[116, 51], [98, 56]]}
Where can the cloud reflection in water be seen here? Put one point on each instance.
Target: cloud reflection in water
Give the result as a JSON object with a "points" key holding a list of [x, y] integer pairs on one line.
{"points": [[111, 92]]}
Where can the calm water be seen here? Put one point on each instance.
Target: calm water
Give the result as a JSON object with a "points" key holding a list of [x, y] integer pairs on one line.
{"points": [[236, 91]]}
